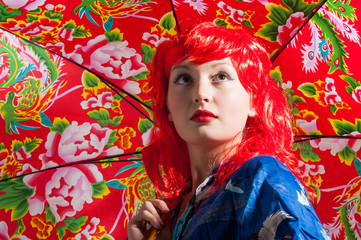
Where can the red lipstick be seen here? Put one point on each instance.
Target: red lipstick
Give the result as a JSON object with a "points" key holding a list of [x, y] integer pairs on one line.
{"points": [[203, 116]]}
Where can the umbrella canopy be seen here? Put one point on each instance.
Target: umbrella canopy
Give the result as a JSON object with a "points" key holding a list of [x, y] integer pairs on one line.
{"points": [[65, 136], [70, 137], [326, 95]]}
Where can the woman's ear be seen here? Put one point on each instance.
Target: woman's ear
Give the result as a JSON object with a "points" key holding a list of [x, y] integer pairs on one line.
{"points": [[252, 112], [170, 117]]}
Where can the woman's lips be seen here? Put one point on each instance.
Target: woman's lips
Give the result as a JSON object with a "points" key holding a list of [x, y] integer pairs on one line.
{"points": [[203, 116]]}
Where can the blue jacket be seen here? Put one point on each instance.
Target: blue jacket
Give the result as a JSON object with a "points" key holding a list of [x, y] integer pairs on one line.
{"points": [[261, 200]]}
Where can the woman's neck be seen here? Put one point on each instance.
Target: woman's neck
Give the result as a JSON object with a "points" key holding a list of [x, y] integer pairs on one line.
{"points": [[203, 159]]}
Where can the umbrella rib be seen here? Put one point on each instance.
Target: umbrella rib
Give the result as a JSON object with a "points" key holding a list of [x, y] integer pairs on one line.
{"points": [[101, 79], [310, 137], [111, 86], [97, 161], [94, 161], [273, 58], [175, 16]]}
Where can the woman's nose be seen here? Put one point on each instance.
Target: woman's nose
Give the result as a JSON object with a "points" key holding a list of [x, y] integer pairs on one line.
{"points": [[202, 92]]}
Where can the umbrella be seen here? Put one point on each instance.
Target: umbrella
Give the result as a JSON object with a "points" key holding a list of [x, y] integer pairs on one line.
{"points": [[58, 157], [326, 98], [80, 131], [70, 137]]}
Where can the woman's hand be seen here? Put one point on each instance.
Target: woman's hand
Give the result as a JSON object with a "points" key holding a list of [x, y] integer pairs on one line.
{"points": [[148, 218]]}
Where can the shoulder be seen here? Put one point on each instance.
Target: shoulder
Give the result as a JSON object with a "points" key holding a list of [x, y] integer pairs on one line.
{"points": [[265, 162], [265, 167], [274, 193], [267, 176]]}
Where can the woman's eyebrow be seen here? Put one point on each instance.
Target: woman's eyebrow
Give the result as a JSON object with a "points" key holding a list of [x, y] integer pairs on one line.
{"points": [[219, 64], [185, 66]]}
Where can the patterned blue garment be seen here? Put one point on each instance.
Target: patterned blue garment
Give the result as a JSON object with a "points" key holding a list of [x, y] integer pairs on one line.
{"points": [[261, 200]]}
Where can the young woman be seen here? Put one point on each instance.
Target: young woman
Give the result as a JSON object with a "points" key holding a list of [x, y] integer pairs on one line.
{"points": [[220, 150]]}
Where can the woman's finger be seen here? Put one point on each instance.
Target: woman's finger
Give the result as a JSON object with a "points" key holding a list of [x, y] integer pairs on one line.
{"points": [[154, 220], [156, 208], [160, 204], [150, 214]]}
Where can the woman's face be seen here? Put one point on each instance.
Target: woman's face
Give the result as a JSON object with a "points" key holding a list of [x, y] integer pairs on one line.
{"points": [[207, 102]]}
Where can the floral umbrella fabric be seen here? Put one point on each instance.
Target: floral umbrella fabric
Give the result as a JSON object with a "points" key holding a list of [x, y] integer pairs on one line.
{"points": [[70, 137], [75, 111], [326, 94]]}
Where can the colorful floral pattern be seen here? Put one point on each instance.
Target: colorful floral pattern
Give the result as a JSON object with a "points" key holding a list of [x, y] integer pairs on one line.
{"points": [[324, 93], [75, 111], [70, 141]]}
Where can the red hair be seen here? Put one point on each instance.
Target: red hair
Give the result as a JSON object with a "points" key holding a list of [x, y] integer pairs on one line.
{"points": [[269, 132]]}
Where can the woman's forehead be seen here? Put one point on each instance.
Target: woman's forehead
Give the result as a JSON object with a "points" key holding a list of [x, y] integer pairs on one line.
{"points": [[190, 64]]}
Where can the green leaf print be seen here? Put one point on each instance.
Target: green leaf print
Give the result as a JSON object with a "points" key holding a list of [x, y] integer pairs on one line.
{"points": [[19, 229], [61, 231], [74, 224], [32, 18], [69, 25], [112, 138], [52, 14], [80, 32], [268, 32], [346, 155], [144, 125], [307, 154], [167, 22], [148, 53], [350, 80], [141, 76], [308, 89], [8, 13], [114, 35], [49, 215], [15, 197], [17, 145], [279, 14], [99, 189], [59, 125], [90, 80], [102, 117], [31, 145], [301, 6], [333, 109], [342, 127], [220, 22]]}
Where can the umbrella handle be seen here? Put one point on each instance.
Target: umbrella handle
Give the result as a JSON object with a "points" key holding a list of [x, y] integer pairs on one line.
{"points": [[154, 234]]}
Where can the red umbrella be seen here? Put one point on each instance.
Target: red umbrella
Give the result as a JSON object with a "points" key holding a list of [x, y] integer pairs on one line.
{"points": [[69, 150], [70, 137], [326, 97]]}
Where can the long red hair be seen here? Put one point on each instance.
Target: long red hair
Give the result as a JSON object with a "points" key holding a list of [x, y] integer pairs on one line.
{"points": [[269, 132]]}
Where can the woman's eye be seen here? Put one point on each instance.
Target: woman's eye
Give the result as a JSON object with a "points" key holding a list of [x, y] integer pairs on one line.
{"points": [[182, 79], [222, 76]]}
